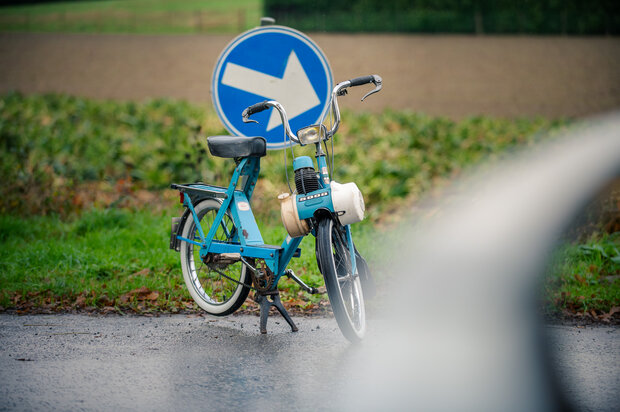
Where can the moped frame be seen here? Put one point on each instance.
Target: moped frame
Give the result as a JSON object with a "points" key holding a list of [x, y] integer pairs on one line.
{"points": [[248, 241]]}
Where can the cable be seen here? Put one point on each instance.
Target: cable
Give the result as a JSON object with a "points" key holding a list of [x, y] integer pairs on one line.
{"points": [[331, 123], [285, 166]]}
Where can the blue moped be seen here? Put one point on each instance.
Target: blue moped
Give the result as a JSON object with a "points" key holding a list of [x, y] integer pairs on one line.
{"points": [[223, 255]]}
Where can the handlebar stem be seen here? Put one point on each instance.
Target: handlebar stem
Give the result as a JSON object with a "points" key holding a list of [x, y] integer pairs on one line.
{"points": [[283, 118]]}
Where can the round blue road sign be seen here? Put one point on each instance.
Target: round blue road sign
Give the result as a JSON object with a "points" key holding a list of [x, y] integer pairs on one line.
{"points": [[271, 63]]}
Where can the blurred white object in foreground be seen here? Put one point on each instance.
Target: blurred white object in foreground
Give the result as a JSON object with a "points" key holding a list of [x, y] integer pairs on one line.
{"points": [[464, 333]]}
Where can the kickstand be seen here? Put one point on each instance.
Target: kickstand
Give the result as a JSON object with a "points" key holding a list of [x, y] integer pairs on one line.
{"points": [[266, 304]]}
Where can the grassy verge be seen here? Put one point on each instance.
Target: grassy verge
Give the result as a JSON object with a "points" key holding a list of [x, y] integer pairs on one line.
{"points": [[135, 16], [84, 223], [116, 260], [584, 278]]}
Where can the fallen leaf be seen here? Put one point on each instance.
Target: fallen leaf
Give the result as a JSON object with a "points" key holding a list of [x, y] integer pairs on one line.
{"points": [[143, 272], [580, 279], [140, 291], [80, 302]]}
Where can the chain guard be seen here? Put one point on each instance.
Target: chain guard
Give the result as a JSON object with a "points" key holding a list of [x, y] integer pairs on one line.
{"points": [[220, 261]]}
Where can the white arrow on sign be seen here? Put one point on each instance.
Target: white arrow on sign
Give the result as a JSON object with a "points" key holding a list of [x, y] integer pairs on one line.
{"points": [[294, 90]]}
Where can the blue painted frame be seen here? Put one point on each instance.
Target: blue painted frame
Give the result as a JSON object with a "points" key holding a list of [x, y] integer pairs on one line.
{"points": [[248, 241]]}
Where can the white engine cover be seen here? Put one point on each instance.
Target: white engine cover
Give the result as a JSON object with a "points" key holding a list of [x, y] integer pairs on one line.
{"points": [[290, 218], [348, 202]]}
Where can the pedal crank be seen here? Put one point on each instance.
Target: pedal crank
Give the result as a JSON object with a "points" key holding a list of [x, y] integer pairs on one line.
{"points": [[291, 275]]}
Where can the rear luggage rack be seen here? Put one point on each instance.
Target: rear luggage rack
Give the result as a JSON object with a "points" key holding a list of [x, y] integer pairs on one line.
{"points": [[201, 190]]}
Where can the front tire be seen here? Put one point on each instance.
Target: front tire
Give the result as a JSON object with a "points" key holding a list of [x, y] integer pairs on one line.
{"points": [[216, 294], [343, 287]]}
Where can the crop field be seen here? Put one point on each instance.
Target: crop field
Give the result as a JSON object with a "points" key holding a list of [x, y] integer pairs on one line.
{"points": [[455, 76]]}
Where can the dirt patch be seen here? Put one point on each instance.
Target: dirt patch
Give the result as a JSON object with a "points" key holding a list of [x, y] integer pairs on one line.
{"points": [[454, 76]]}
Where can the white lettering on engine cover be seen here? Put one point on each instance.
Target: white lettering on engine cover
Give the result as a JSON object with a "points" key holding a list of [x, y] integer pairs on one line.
{"points": [[303, 199]]}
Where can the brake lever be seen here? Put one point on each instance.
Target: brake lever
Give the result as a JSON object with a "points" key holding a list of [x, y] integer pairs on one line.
{"points": [[378, 82], [246, 117]]}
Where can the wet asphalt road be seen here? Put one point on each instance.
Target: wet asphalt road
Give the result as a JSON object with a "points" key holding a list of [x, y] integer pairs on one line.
{"points": [[587, 361], [73, 362]]}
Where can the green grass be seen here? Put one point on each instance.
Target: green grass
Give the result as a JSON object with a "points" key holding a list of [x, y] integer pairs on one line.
{"points": [[585, 277], [103, 255], [133, 16]]}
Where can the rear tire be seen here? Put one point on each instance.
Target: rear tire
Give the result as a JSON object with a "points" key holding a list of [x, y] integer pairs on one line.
{"points": [[343, 287], [214, 293]]}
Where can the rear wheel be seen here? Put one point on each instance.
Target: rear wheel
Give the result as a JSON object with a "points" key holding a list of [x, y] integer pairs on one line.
{"points": [[343, 286], [215, 286]]}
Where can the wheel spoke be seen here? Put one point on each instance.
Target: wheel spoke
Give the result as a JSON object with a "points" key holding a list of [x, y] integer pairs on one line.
{"points": [[345, 279]]}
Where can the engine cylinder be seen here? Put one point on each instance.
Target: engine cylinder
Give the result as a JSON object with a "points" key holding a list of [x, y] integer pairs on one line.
{"points": [[306, 180]]}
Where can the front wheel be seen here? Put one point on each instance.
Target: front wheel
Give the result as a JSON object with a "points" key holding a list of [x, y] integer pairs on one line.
{"points": [[343, 286]]}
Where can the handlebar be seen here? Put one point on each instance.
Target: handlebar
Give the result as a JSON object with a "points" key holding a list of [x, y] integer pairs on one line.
{"points": [[339, 90], [259, 107], [358, 81], [255, 108]]}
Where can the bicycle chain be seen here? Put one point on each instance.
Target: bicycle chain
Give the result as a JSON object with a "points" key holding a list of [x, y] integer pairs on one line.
{"points": [[229, 278], [261, 283]]}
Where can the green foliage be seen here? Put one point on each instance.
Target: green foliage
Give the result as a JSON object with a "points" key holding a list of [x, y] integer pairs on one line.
{"points": [[51, 145], [133, 16], [449, 16], [586, 277]]}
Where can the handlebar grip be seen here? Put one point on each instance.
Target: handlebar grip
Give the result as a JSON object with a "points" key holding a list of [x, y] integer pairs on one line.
{"points": [[358, 81], [256, 108]]}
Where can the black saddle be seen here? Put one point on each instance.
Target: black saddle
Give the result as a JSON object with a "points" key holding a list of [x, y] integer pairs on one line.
{"points": [[237, 146]]}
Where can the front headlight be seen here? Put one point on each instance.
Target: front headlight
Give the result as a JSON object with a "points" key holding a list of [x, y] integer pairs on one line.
{"points": [[312, 134]]}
